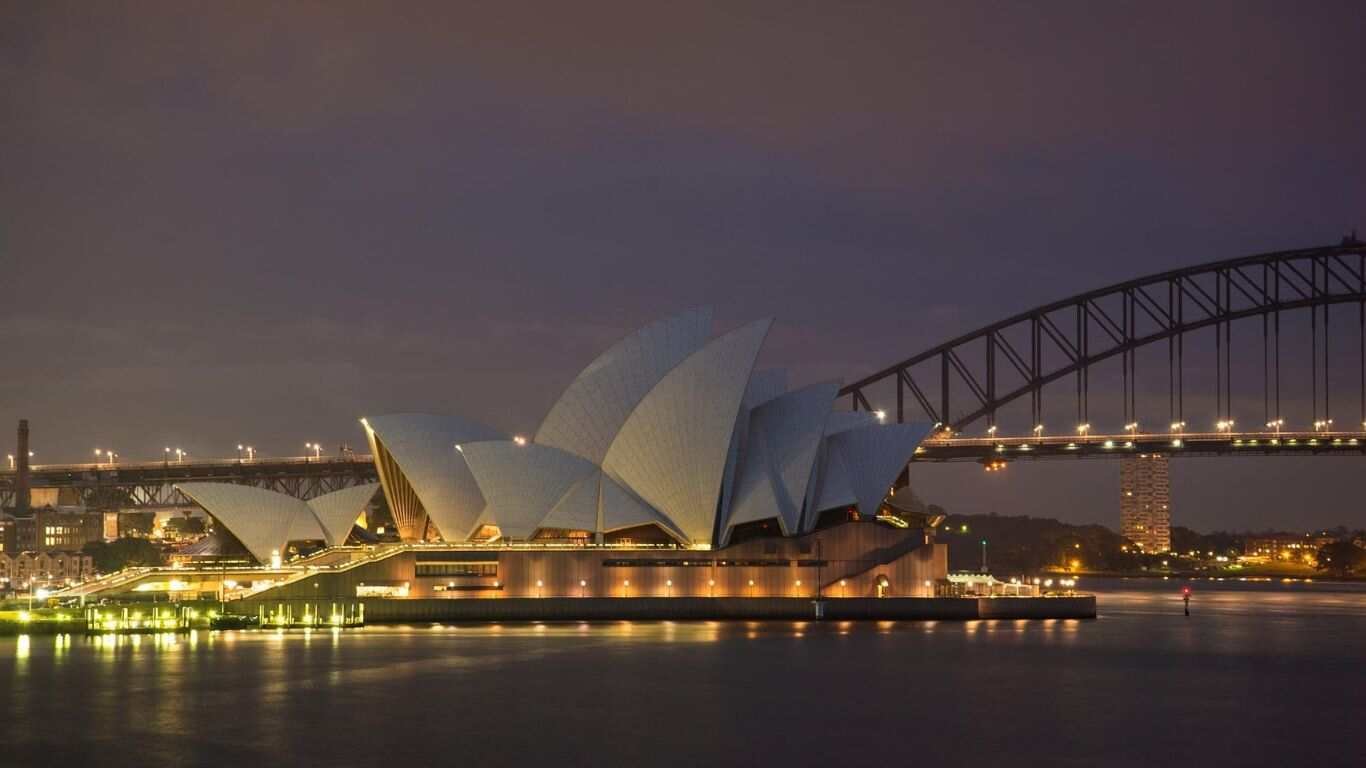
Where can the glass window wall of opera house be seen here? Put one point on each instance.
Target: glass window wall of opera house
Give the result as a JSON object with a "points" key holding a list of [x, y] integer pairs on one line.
{"points": [[670, 466]]}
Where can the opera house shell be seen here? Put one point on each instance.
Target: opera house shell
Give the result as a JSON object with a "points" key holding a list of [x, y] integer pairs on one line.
{"points": [[670, 436], [266, 522]]}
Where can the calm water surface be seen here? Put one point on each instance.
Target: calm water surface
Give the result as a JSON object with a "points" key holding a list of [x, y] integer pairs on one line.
{"points": [[1261, 674]]}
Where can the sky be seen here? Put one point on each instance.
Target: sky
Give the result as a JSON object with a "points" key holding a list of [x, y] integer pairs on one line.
{"points": [[258, 222]]}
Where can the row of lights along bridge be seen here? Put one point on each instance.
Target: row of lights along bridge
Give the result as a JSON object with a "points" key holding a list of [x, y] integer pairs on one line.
{"points": [[1132, 428], [109, 457]]}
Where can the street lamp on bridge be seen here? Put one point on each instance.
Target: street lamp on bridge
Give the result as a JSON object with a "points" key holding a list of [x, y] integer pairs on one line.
{"points": [[1223, 425], [1276, 424], [316, 448]]}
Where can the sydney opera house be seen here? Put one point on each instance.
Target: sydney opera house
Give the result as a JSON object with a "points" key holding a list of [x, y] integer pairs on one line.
{"points": [[669, 466]]}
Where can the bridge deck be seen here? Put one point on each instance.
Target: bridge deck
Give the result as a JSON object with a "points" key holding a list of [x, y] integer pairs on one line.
{"points": [[1119, 446]]}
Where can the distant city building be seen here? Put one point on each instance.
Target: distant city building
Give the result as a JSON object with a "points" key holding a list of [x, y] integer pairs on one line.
{"points": [[1145, 502], [53, 530]]}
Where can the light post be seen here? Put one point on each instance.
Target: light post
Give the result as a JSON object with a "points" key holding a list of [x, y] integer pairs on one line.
{"points": [[1038, 431], [180, 456], [539, 584], [316, 448], [711, 587], [1276, 424], [625, 587], [10, 456], [751, 587], [880, 414], [991, 431], [1131, 428], [843, 583], [984, 555], [1083, 429], [1178, 427], [239, 451], [1323, 425], [669, 588], [251, 453], [583, 586]]}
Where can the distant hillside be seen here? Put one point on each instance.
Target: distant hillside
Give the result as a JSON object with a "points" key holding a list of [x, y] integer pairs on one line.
{"points": [[1017, 546]]}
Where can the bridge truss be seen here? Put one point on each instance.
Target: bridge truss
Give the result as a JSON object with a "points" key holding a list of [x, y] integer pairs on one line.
{"points": [[152, 485], [1017, 357]]}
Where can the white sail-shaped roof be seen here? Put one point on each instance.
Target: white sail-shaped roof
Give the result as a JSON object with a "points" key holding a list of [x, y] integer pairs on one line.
{"points": [[623, 509], [672, 449], [784, 438], [264, 521], [577, 509], [763, 386], [870, 458], [830, 487], [337, 511], [423, 446], [588, 416], [521, 483]]}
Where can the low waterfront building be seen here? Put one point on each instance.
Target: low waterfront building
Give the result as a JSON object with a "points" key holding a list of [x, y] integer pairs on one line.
{"points": [[20, 569], [1287, 547], [856, 559]]}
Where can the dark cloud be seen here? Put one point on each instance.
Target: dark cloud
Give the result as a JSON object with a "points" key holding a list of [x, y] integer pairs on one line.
{"points": [[261, 221]]}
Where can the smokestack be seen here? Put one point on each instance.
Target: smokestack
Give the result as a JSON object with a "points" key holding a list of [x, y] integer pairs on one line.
{"points": [[21, 495]]}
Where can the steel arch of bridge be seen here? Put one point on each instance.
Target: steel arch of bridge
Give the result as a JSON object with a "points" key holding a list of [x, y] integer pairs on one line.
{"points": [[1091, 327]]}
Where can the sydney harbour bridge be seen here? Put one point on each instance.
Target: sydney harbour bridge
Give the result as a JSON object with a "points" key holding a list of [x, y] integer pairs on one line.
{"points": [[1300, 319]]}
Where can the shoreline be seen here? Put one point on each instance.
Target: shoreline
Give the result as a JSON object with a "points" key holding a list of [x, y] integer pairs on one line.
{"points": [[1199, 575]]}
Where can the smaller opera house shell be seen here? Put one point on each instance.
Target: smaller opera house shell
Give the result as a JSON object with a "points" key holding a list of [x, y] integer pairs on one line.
{"points": [[669, 437]]}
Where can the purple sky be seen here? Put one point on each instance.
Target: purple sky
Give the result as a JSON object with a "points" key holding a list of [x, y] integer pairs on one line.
{"points": [[257, 223]]}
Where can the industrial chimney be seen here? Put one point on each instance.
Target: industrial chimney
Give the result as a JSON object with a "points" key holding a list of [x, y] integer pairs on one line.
{"points": [[21, 495]]}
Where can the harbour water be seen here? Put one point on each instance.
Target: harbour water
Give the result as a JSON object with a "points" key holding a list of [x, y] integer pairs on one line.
{"points": [[1260, 674]]}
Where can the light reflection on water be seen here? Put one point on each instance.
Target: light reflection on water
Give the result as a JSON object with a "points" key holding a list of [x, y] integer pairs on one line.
{"points": [[1232, 684]]}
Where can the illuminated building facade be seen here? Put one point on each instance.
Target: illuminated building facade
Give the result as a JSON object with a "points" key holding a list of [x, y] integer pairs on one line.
{"points": [[1145, 502]]}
